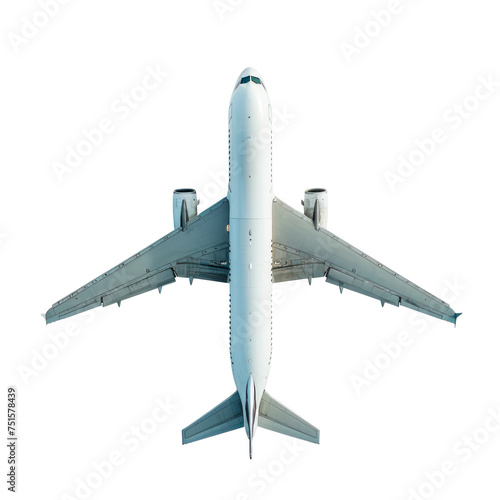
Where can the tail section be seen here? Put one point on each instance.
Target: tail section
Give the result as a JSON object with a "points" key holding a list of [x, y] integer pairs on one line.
{"points": [[225, 417], [250, 412], [276, 417], [230, 415]]}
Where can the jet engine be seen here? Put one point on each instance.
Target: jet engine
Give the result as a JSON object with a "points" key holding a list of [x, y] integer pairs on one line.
{"points": [[316, 206], [185, 207]]}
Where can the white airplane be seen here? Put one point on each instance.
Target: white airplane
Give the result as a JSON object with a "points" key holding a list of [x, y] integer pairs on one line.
{"points": [[251, 240]]}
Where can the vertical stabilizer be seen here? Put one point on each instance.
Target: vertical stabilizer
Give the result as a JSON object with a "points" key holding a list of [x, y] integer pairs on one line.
{"points": [[250, 412]]}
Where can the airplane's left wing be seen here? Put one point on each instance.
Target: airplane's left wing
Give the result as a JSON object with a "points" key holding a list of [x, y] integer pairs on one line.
{"points": [[200, 251], [300, 250]]}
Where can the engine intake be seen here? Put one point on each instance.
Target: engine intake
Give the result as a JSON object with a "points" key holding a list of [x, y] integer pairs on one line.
{"points": [[316, 206], [185, 207]]}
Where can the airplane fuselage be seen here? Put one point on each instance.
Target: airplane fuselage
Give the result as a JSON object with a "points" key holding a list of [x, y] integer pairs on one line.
{"points": [[250, 196]]}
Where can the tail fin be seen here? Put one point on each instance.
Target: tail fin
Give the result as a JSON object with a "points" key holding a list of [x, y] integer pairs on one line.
{"points": [[276, 417], [225, 417]]}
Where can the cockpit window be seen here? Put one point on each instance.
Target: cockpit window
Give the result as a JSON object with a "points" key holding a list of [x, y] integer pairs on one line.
{"points": [[246, 79]]}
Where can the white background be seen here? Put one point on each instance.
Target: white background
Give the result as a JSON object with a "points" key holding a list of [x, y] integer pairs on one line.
{"points": [[350, 123]]}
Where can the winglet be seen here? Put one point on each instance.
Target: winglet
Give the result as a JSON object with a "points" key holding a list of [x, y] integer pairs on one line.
{"points": [[50, 316], [455, 318]]}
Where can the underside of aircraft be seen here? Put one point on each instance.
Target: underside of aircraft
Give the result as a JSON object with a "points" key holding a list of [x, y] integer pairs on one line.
{"points": [[250, 239]]}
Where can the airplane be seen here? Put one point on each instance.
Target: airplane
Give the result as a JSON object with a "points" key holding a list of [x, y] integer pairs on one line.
{"points": [[250, 239]]}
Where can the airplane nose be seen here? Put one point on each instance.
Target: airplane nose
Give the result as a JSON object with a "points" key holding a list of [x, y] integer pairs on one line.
{"points": [[249, 71]]}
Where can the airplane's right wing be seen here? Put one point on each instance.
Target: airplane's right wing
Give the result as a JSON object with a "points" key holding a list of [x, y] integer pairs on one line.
{"points": [[301, 251], [200, 251]]}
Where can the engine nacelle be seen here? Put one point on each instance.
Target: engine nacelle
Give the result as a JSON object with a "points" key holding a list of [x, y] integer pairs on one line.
{"points": [[316, 206], [185, 207]]}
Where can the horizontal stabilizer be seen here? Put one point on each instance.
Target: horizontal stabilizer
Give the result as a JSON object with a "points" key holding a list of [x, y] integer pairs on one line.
{"points": [[225, 417], [276, 417]]}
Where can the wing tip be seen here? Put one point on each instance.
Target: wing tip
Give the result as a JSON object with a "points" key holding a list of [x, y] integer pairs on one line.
{"points": [[50, 316]]}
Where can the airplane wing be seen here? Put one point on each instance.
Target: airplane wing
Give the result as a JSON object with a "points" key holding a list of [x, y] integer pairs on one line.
{"points": [[200, 251], [300, 251]]}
